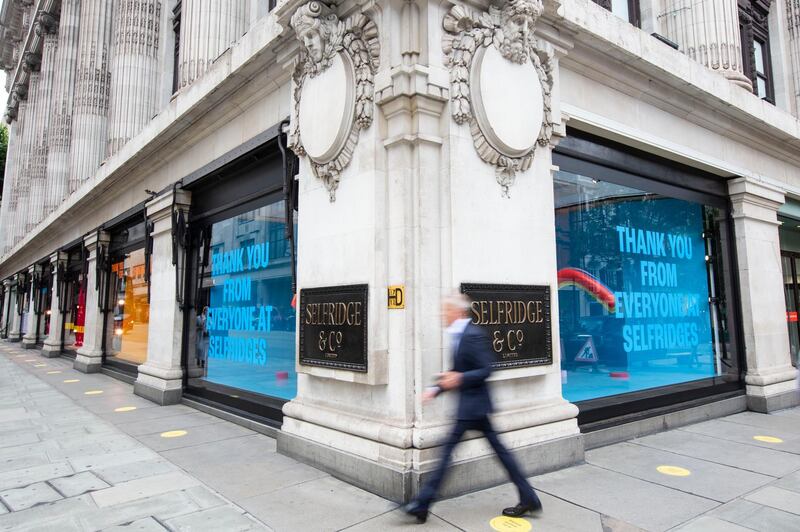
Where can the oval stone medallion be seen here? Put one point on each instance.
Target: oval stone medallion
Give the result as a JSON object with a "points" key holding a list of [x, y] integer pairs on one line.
{"points": [[508, 102], [327, 110]]}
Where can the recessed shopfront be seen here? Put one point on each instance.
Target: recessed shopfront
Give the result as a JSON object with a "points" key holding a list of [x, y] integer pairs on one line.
{"points": [[646, 309], [790, 260], [42, 300], [125, 301], [240, 326], [72, 300]]}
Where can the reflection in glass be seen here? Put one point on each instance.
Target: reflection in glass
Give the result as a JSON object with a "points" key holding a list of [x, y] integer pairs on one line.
{"points": [[244, 329], [636, 276], [126, 331]]}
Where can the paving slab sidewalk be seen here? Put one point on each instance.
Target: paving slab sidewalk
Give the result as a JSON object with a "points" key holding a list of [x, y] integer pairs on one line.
{"points": [[114, 461]]}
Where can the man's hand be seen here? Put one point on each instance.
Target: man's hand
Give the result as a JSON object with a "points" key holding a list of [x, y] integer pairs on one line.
{"points": [[450, 380], [429, 395]]}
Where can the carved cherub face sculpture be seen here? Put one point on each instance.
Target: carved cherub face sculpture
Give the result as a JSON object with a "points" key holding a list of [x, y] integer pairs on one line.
{"points": [[314, 24], [517, 19]]}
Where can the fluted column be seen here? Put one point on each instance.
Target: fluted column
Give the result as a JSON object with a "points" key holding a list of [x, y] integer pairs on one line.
{"points": [[18, 156], [208, 28], [708, 32], [90, 117], [46, 26], [60, 133], [134, 69], [26, 159], [8, 187], [793, 31]]}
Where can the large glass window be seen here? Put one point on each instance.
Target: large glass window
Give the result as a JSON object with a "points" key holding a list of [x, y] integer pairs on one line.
{"points": [[130, 309], [639, 291], [243, 334], [790, 260]]}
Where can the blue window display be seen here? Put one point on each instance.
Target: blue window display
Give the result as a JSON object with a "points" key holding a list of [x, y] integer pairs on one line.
{"points": [[245, 333], [635, 285]]}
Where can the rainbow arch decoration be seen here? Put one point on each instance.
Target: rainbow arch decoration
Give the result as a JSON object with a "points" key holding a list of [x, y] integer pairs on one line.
{"points": [[587, 282]]}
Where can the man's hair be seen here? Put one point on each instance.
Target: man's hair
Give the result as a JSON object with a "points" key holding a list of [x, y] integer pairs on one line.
{"points": [[457, 300]]}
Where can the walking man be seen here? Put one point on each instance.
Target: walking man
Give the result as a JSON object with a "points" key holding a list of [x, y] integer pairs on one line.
{"points": [[472, 364]]}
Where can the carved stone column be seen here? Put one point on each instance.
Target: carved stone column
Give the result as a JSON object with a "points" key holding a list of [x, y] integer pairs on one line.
{"points": [[7, 299], [14, 316], [18, 192], [161, 376], [208, 28], [134, 69], [9, 186], [90, 115], [47, 26], [31, 318], [771, 379], [60, 133], [25, 177], [708, 32], [90, 355], [793, 31], [52, 344]]}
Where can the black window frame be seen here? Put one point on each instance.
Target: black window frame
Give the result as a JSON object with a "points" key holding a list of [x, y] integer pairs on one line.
{"points": [[589, 155], [246, 178], [634, 10], [754, 26]]}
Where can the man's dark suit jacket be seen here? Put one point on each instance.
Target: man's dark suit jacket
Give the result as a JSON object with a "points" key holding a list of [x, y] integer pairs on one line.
{"points": [[473, 359]]}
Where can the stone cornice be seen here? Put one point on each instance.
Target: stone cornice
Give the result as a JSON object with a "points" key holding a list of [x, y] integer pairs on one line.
{"points": [[661, 73], [45, 20]]}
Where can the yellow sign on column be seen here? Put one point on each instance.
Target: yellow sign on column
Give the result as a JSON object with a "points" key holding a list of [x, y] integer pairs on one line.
{"points": [[397, 296]]}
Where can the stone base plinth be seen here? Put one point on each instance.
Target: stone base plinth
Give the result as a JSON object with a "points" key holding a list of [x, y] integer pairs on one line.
{"points": [[156, 388], [51, 351], [87, 364], [402, 485], [773, 389], [29, 343]]}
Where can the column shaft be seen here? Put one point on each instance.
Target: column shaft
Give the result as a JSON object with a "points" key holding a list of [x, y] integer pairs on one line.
{"points": [[8, 184], [90, 115], [771, 379], [708, 32], [134, 69], [52, 344], [208, 28], [160, 378], [42, 128], [90, 355], [19, 161], [60, 133], [31, 318]]}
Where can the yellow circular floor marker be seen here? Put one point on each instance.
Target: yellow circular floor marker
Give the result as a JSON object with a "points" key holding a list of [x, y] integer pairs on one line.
{"points": [[54, 372], [30, 360], [93, 392], [768, 439], [174, 434], [68, 381], [673, 471], [125, 409], [504, 523], [40, 365]]}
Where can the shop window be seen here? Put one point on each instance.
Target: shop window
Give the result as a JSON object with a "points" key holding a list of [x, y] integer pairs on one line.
{"points": [[243, 336], [790, 260], [176, 31], [641, 300], [72, 301], [756, 60], [624, 9], [128, 322]]}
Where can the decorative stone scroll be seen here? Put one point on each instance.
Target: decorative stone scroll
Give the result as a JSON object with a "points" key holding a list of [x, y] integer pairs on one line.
{"points": [[333, 87], [500, 83]]}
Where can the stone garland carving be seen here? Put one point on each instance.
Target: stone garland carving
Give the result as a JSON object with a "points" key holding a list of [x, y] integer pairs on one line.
{"points": [[509, 28], [323, 35]]}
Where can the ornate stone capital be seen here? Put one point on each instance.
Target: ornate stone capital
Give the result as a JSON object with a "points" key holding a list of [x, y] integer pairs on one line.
{"points": [[334, 77], [500, 82]]}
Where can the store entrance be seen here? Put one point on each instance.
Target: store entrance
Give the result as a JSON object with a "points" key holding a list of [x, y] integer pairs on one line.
{"points": [[791, 291]]}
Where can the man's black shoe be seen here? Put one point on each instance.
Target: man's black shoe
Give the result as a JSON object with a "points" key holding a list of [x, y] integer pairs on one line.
{"points": [[417, 511], [523, 508]]}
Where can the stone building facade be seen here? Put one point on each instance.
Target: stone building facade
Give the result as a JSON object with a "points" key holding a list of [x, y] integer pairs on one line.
{"points": [[256, 207]]}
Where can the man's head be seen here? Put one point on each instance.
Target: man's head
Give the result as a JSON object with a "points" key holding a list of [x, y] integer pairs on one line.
{"points": [[454, 307], [314, 23]]}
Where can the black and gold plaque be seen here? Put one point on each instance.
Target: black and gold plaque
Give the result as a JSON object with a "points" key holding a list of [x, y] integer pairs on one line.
{"points": [[517, 320], [333, 327]]}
